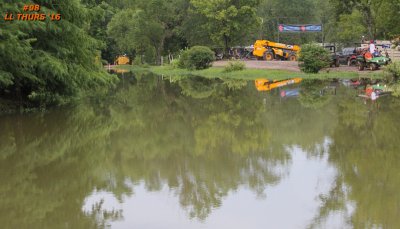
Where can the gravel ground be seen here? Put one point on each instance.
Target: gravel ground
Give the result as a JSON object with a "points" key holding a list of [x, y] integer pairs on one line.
{"points": [[286, 65]]}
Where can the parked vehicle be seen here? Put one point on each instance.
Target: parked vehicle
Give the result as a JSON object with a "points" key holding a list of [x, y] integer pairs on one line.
{"points": [[348, 56], [122, 60], [334, 56], [367, 60], [268, 50]]}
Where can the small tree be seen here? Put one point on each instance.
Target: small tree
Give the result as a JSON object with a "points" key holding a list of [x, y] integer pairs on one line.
{"points": [[313, 58], [198, 57]]}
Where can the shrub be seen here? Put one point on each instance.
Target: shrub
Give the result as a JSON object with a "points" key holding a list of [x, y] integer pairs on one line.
{"points": [[234, 66], [396, 43], [175, 63], [183, 61], [313, 58], [394, 69], [197, 57], [137, 61]]}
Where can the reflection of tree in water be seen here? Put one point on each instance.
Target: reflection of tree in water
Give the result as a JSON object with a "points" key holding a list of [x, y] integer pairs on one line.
{"points": [[366, 153], [49, 166], [198, 87], [235, 84], [150, 133], [311, 93], [290, 123], [202, 149], [102, 217]]}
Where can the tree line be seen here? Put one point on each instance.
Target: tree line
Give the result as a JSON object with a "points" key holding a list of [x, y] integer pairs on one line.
{"points": [[49, 62], [154, 28]]}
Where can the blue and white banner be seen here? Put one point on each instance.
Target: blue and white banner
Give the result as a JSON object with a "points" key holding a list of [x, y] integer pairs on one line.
{"points": [[299, 28]]}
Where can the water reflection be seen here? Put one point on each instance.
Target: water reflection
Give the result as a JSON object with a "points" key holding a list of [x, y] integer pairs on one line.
{"points": [[267, 85], [208, 146]]}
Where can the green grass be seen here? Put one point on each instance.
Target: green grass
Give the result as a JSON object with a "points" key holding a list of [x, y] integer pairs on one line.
{"points": [[248, 74]]}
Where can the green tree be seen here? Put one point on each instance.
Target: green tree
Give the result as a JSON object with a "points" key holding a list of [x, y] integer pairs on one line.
{"points": [[387, 21], [101, 14], [197, 57], [378, 15], [131, 31], [50, 61], [227, 22], [350, 27], [313, 58], [147, 25]]}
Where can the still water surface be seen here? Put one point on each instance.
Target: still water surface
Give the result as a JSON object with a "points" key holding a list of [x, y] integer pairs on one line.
{"points": [[200, 153]]}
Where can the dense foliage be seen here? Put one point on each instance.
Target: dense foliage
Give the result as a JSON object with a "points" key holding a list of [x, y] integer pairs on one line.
{"points": [[313, 58], [394, 69], [197, 57], [49, 62], [227, 22]]}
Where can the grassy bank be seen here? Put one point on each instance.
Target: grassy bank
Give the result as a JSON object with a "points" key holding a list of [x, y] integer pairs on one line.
{"points": [[250, 74]]}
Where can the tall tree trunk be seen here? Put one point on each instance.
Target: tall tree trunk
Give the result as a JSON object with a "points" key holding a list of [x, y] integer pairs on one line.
{"points": [[158, 56], [370, 24], [159, 49], [18, 93], [366, 11], [226, 40]]}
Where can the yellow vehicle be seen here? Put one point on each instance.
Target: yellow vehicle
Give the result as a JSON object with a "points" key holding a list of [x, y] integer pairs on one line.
{"points": [[267, 85], [268, 50], [122, 60]]}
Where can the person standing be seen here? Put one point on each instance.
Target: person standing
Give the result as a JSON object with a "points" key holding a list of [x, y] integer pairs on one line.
{"points": [[371, 47]]}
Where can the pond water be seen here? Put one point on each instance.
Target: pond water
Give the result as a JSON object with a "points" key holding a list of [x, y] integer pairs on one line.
{"points": [[189, 152]]}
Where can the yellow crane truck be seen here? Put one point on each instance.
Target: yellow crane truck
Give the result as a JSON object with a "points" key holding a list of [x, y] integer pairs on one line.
{"points": [[268, 50]]}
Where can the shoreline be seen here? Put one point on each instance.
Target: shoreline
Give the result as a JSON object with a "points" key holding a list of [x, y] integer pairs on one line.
{"points": [[273, 70]]}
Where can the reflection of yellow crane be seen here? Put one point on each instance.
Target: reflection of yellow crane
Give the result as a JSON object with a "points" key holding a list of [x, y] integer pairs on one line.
{"points": [[267, 85], [269, 50]]}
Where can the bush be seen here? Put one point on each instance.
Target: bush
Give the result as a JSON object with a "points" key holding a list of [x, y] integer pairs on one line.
{"points": [[313, 58], [394, 69], [396, 43], [175, 63], [183, 61], [137, 61], [198, 57], [234, 66]]}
